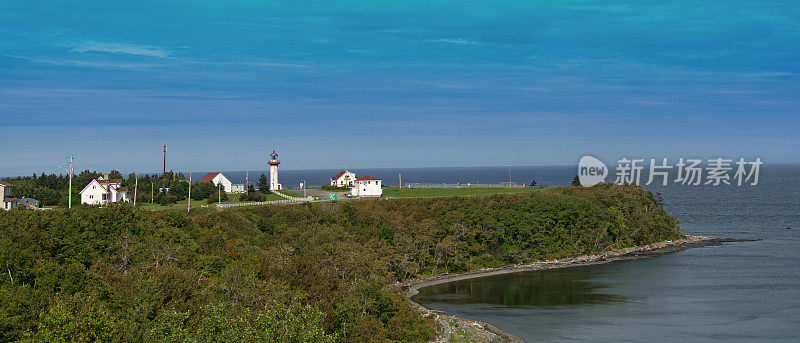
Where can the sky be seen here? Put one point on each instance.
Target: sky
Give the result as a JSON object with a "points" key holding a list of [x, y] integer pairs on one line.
{"points": [[370, 84]]}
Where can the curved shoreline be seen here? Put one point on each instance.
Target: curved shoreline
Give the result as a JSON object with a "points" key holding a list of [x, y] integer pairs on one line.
{"points": [[492, 333]]}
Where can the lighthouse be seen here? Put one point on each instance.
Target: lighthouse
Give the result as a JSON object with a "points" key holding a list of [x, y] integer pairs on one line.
{"points": [[273, 171]]}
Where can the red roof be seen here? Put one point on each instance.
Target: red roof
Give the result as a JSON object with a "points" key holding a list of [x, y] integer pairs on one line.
{"points": [[367, 178], [102, 180], [339, 175], [209, 177], [122, 189], [5, 184], [9, 199]]}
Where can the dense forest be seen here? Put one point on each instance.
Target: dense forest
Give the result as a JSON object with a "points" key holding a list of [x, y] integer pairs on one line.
{"points": [[167, 188], [296, 273]]}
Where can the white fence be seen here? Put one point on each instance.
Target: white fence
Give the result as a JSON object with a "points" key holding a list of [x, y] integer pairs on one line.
{"points": [[289, 199], [463, 185], [255, 203]]}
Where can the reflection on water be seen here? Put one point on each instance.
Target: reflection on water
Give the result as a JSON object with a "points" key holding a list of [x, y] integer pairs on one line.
{"points": [[548, 288]]}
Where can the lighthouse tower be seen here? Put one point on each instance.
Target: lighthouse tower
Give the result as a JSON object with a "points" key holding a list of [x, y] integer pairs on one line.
{"points": [[273, 171]]}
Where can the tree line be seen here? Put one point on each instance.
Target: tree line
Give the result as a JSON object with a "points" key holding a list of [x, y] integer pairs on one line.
{"points": [[301, 273], [167, 188]]}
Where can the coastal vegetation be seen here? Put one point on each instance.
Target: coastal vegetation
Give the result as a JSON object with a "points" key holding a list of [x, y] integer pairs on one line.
{"points": [[152, 191], [445, 192], [299, 273]]}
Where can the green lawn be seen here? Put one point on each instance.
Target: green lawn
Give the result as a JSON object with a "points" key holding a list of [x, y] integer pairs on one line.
{"points": [[443, 192], [232, 199]]}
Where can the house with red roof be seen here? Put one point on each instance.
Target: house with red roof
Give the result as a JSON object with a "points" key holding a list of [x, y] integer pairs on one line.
{"points": [[367, 186], [227, 185], [345, 178], [104, 190]]}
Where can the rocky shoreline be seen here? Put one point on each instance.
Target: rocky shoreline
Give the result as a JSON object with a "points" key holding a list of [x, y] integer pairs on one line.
{"points": [[453, 326]]}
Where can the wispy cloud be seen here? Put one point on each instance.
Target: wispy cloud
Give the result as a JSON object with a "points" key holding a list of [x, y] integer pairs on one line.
{"points": [[460, 41], [120, 48], [84, 63]]}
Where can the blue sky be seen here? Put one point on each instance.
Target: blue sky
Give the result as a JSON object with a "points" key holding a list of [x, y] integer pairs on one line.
{"points": [[394, 84]]}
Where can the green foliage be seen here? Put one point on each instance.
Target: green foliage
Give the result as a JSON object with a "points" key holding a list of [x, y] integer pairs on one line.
{"points": [[253, 196], [576, 181], [301, 273], [263, 184], [218, 194], [203, 190], [77, 319]]}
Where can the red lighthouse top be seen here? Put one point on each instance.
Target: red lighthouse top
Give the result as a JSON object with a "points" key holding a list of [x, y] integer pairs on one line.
{"points": [[273, 159]]}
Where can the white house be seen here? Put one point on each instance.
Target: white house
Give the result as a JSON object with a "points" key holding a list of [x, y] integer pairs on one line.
{"points": [[104, 190], [367, 186], [217, 178], [5, 197], [344, 179]]}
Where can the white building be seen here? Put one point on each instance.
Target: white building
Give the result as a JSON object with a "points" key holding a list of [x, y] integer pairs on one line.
{"points": [[273, 163], [5, 197], [104, 190], [216, 179], [367, 186], [344, 179]]}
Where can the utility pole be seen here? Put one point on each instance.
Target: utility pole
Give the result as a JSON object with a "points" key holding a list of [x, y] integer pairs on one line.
{"points": [[304, 188], [135, 187], [152, 187], [69, 197], [189, 199], [401, 179], [219, 192], [164, 171]]}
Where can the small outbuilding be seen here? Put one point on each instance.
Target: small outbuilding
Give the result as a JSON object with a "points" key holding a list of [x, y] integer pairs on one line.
{"points": [[367, 186]]}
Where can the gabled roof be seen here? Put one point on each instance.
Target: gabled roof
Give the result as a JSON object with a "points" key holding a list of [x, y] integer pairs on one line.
{"points": [[105, 190], [9, 199], [209, 177], [367, 178], [338, 175], [342, 173], [5, 184], [122, 189]]}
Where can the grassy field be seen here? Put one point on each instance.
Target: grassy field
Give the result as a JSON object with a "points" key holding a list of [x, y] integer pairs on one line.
{"points": [[232, 199], [443, 192]]}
